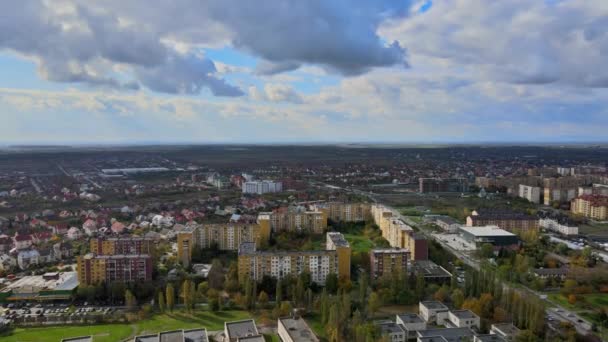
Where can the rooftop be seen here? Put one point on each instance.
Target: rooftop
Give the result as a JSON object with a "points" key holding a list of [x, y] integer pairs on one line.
{"points": [[434, 305], [489, 338], [31, 284], [255, 338], [410, 318], [429, 269], [506, 328], [239, 329], [78, 339], [389, 327], [298, 330], [486, 231], [389, 250], [450, 334], [191, 335], [464, 314], [338, 239]]}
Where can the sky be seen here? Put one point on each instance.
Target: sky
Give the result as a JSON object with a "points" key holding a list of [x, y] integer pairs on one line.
{"points": [[292, 71]]}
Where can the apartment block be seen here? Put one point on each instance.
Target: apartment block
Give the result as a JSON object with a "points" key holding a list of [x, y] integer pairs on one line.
{"points": [[531, 193], [225, 236], [346, 212], [294, 220], [388, 261], [93, 269], [504, 219], [591, 206], [124, 245], [398, 233], [427, 185], [261, 187], [256, 264], [336, 242]]}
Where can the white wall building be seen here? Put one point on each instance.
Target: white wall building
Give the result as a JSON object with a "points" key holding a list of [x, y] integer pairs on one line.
{"points": [[433, 312], [554, 225], [464, 319], [262, 187], [531, 193]]}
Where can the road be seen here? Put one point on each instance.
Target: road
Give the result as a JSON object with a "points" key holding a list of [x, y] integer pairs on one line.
{"points": [[554, 311]]}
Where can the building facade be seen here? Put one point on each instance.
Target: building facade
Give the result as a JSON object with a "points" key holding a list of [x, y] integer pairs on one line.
{"points": [[94, 269], [294, 220], [427, 185], [117, 246], [261, 187], [398, 233], [346, 212], [224, 236], [507, 220], [591, 206], [531, 193], [255, 264], [388, 261]]}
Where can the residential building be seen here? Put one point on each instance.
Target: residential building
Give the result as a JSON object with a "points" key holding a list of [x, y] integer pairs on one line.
{"points": [[388, 261], [591, 206], [26, 258], [294, 219], [261, 187], [191, 335], [238, 330], [447, 223], [256, 264], [464, 319], [23, 241], [346, 212], [121, 245], [427, 185], [295, 329], [93, 269], [507, 331], [559, 225], [411, 323], [560, 195], [433, 311], [445, 335], [488, 338], [392, 330], [398, 233], [224, 236], [504, 219], [336, 242], [531, 193], [499, 238]]}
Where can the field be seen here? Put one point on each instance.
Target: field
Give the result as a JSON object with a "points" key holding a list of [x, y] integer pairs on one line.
{"points": [[594, 229], [117, 332], [584, 302]]}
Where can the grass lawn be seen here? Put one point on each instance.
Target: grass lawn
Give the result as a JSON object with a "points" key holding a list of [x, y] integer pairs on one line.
{"points": [[359, 243], [117, 332], [314, 322], [584, 302], [271, 338], [101, 333]]}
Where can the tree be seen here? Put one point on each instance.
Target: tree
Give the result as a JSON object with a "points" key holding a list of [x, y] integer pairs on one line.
{"points": [[170, 297], [457, 298], [130, 300], [161, 301], [279, 293], [263, 298], [216, 275], [442, 294], [420, 286], [201, 291], [373, 303], [331, 283]]}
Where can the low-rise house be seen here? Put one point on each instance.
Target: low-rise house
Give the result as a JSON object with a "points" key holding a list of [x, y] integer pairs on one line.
{"points": [[74, 233], [6, 243], [412, 323], [25, 258], [7, 262], [90, 227], [446, 335], [507, 331], [45, 255], [392, 330], [464, 319], [237, 330], [295, 329], [192, 335], [558, 273], [433, 311], [23, 241]]}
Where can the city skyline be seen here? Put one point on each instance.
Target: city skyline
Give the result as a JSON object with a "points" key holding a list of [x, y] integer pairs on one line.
{"points": [[288, 72]]}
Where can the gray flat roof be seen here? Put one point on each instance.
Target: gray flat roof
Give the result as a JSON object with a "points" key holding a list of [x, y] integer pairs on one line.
{"points": [[464, 314], [78, 339], [429, 269], [490, 338], [298, 330], [256, 338], [389, 327], [410, 318], [239, 329], [171, 336], [450, 334], [146, 338], [434, 305]]}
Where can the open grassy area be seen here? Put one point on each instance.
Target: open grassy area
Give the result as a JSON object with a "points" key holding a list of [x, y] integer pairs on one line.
{"points": [[595, 229], [359, 243], [584, 302], [117, 332]]}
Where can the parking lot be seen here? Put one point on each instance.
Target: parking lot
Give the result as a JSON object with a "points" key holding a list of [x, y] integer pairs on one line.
{"points": [[24, 313]]}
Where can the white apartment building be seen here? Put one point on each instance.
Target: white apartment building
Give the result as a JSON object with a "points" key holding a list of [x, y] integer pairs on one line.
{"points": [[554, 225], [262, 187], [464, 319], [433, 311], [531, 193]]}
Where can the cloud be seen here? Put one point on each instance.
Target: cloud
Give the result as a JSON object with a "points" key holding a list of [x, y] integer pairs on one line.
{"points": [[76, 43], [517, 41], [276, 93]]}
